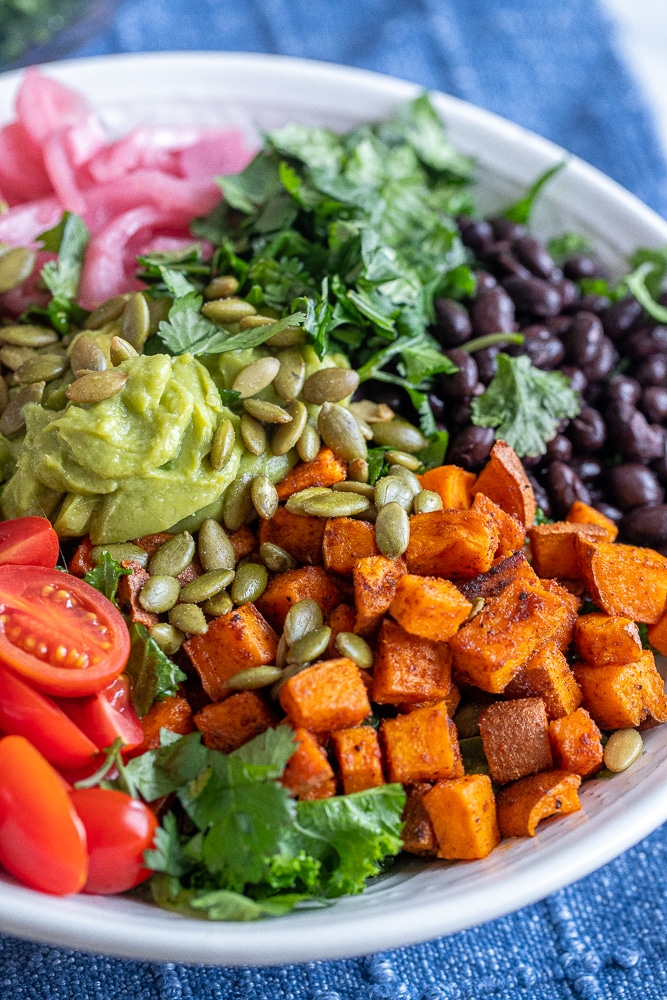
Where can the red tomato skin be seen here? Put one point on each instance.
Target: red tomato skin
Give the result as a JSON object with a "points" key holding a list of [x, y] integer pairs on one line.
{"points": [[42, 839], [118, 829], [102, 722], [24, 711], [28, 541], [32, 604]]}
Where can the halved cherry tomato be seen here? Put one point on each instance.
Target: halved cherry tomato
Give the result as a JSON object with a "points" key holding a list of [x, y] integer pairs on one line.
{"points": [[58, 632], [106, 716], [118, 829], [42, 839], [28, 541], [27, 712]]}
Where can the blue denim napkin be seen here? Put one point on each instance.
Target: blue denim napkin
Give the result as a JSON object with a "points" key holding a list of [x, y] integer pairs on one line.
{"points": [[552, 67]]}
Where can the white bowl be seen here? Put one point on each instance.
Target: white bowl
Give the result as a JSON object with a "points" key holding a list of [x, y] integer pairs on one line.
{"points": [[416, 901]]}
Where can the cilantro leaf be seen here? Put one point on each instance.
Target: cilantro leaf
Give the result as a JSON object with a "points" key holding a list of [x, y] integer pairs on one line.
{"points": [[68, 240], [521, 210], [106, 574], [152, 674], [644, 283], [434, 453], [525, 404]]}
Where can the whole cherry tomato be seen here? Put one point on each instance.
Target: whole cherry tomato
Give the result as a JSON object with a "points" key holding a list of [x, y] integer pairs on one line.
{"points": [[28, 541], [42, 839], [118, 829]]}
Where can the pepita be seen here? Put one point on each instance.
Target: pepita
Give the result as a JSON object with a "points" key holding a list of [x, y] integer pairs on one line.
{"points": [[252, 322], [336, 505], [350, 486], [289, 336], [214, 548], [237, 508], [371, 412], [93, 387], [295, 503], [203, 587], [355, 648], [227, 311], [330, 385], [310, 646], [136, 322], [392, 530], [120, 350], [159, 593], [222, 445], [399, 434], [393, 489], [288, 382], [168, 638], [12, 419], [286, 436], [188, 618], [107, 312], [41, 368], [358, 470], [218, 605], [256, 376], [427, 501], [87, 354], [173, 556], [4, 393], [13, 357], [254, 678], [622, 749], [394, 457], [222, 287], [249, 583], [281, 652], [268, 413], [275, 559], [408, 477], [340, 431], [303, 617], [253, 435], [264, 496], [27, 335], [16, 266], [308, 444], [122, 552]]}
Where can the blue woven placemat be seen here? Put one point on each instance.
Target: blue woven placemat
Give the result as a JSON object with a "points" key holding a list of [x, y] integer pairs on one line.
{"points": [[552, 67]]}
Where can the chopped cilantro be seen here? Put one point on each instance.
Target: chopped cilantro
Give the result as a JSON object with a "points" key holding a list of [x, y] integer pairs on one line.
{"points": [[68, 240], [106, 574], [521, 210], [152, 674]]}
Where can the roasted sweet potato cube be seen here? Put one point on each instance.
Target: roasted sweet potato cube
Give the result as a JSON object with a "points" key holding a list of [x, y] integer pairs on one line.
{"points": [[82, 560], [408, 668], [657, 635], [515, 735], [375, 580], [240, 639], [547, 675], [429, 606], [341, 619], [456, 544], [301, 536], [286, 589], [463, 814], [359, 758], [345, 541], [227, 725], [571, 602], [325, 470], [243, 541], [452, 483], [421, 746], [553, 547], [511, 626], [583, 513], [504, 480], [511, 531], [624, 580], [308, 774], [173, 713], [524, 804], [491, 583], [418, 833], [602, 639], [576, 743], [127, 596], [623, 695], [327, 696]]}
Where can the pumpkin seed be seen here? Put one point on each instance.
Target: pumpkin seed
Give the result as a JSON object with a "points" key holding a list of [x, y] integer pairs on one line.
{"points": [[173, 556], [120, 351], [219, 605], [222, 445], [275, 559], [466, 719], [408, 477], [269, 413], [13, 357], [93, 387], [281, 652], [399, 434], [371, 412], [288, 672], [303, 617], [310, 646], [295, 503], [158, 311], [214, 548], [349, 486], [256, 376], [168, 638], [288, 383], [392, 530], [358, 470], [87, 354], [253, 435], [227, 311], [622, 749], [221, 287], [26, 335], [286, 436], [159, 593], [477, 606], [249, 583], [252, 322], [4, 393], [122, 552], [12, 419], [365, 429], [16, 266], [427, 501], [330, 385], [393, 489], [355, 648], [107, 312], [41, 368], [188, 618], [264, 496], [402, 458], [336, 505], [135, 326], [206, 586], [254, 678], [237, 508], [290, 336], [308, 445], [340, 431]]}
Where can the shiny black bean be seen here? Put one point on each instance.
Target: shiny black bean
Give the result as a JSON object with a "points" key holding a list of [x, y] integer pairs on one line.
{"points": [[471, 448], [452, 323], [460, 384], [384, 392], [558, 325], [582, 341], [593, 303], [564, 487], [594, 394], [632, 435], [500, 259], [535, 256], [492, 312], [559, 449], [621, 317], [578, 380], [544, 350], [603, 362], [588, 469], [476, 233], [652, 371], [483, 281], [506, 229], [587, 430], [613, 513], [487, 364], [461, 415], [623, 389], [533, 295], [646, 526], [438, 406], [653, 403], [580, 266], [541, 495], [570, 295], [634, 485], [643, 343]]}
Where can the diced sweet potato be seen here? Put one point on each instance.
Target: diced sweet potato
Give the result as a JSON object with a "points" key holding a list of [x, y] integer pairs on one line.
{"points": [[308, 774], [453, 484], [421, 746], [82, 562], [511, 531], [359, 758], [227, 725], [504, 480], [554, 547], [624, 579], [623, 695], [463, 814], [456, 544], [243, 541], [325, 470], [341, 619], [657, 635], [524, 804], [491, 583], [583, 513], [547, 675], [151, 543], [576, 743], [511, 626], [300, 536], [429, 607], [515, 735], [127, 595], [173, 713], [375, 580], [286, 589], [418, 833], [602, 639], [408, 668], [345, 541], [327, 696], [240, 639]]}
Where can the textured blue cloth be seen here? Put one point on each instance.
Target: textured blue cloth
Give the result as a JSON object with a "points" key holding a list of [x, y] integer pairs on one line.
{"points": [[551, 67]]}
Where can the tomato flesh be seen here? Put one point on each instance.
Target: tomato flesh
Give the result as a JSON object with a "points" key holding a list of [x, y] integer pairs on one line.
{"points": [[42, 839], [106, 716], [28, 541], [58, 632]]}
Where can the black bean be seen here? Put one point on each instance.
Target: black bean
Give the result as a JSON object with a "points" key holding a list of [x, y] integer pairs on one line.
{"points": [[558, 325], [646, 341], [632, 435], [652, 371], [533, 253], [564, 487], [581, 266], [492, 312], [577, 379], [543, 349], [460, 384], [500, 259], [475, 233], [570, 295], [594, 394], [622, 388], [559, 449], [452, 323], [483, 281], [534, 295], [588, 469], [541, 495], [646, 526], [621, 317], [461, 415], [654, 403], [438, 406], [471, 448], [633, 485], [487, 364], [583, 339], [506, 229], [587, 430], [613, 513], [593, 303], [603, 362]]}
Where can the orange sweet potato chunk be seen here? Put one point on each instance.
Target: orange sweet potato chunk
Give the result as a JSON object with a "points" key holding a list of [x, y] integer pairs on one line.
{"points": [[375, 579], [576, 743], [408, 668], [327, 696], [623, 695], [524, 804], [243, 541], [429, 607], [554, 547], [657, 635], [453, 484], [240, 639], [286, 589], [227, 725], [463, 814], [359, 758], [603, 639], [456, 544], [173, 713], [504, 480], [547, 675], [341, 619], [583, 513], [418, 833], [325, 470], [421, 746], [515, 736], [501, 574], [624, 580], [511, 531], [82, 562], [301, 536], [129, 588], [345, 541], [308, 774]]}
